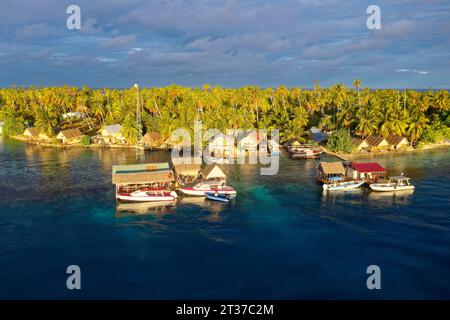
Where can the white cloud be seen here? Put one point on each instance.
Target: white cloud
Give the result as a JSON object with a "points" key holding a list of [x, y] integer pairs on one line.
{"points": [[412, 71]]}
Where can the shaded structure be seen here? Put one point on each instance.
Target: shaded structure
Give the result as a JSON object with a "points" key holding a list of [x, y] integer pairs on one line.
{"points": [[397, 142], [213, 172], [70, 136], [132, 177], [327, 171], [368, 171]]}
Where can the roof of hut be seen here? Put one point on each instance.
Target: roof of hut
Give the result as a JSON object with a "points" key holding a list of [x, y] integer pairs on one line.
{"points": [[375, 141], [395, 140], [33, 131], [70, 134], [187, 169], [152, 138], [112, 129], [357, 142], [332, 167], [367, 167], [142, 173], [213, 171]]}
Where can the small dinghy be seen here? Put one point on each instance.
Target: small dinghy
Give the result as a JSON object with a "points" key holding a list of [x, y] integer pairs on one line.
{"points": [[343, 185], [218, 197]]}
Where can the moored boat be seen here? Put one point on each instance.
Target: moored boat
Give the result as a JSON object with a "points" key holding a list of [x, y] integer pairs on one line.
{"points": [[397, 183], [148, 195], [208, 186], [217, 160], [342, 185], [218, 197]]}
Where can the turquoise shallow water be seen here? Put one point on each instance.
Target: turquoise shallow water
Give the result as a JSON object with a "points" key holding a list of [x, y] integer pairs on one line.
{"points": [[281, 238]]}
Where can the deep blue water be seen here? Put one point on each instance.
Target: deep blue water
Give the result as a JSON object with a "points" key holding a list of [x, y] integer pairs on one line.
{"points": [[282, 238]]}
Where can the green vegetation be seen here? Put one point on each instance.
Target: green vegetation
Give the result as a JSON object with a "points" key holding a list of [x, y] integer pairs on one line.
{"points": [[85, 140], [362, 112], [340, 141]]}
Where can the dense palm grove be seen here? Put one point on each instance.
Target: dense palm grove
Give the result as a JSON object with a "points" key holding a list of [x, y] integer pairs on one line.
{"points": [[419, 116]]}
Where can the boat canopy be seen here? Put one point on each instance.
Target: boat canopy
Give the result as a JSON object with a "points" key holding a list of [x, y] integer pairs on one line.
{"points": [[336, 179], [400, 178]]}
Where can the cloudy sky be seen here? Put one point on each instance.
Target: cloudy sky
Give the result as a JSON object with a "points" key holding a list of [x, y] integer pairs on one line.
{"points": [[228, 43]]}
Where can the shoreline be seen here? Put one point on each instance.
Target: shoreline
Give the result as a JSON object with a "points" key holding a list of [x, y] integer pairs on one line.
{"points": [[355, 156]]}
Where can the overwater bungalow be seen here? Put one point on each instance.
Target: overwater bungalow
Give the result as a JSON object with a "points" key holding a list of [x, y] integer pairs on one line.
{"points": [[110, 135], [360, 144], [133, 177], [187, 172], [152, 140], [368, 171], [397, 142], [377, 143], [327, 171], [70, 136]]}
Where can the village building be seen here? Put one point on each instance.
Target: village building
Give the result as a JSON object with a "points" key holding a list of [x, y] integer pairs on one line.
{"points": [[397, 142], [360, 144], [34, 134], [70, 136], [249, 141], [111, 134], [369, 171], [378, 143], [221, 145], [327, 171]]}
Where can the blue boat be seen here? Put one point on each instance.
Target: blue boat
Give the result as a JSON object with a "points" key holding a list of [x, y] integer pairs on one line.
{"points": [[218, 197]]}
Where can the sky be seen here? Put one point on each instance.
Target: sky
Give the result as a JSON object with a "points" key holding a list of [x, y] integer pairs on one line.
{"points": [[227, 43]]}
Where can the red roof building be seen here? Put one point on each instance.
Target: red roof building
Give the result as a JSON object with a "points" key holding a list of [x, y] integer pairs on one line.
{"points": [[369, 171]]}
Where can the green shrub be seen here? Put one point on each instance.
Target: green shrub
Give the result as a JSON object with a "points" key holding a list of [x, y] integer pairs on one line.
{"points": [[340, 141], [85, 140]]}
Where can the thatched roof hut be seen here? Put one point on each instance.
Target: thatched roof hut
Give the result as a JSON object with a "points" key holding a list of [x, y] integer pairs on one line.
{"points": [[152, 139], [142, 174], [70, 136], [213, 171]]}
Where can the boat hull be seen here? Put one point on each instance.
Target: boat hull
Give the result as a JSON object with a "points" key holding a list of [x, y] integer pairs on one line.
{"points": [[343, 186], [143, 197], [212, 196], [201, 192], [387, 188]]}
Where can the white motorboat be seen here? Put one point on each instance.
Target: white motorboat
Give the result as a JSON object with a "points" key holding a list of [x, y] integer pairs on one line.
{"points": [[398, 183], [148, 195], [343, 185], [217, 160], [208, 186]]}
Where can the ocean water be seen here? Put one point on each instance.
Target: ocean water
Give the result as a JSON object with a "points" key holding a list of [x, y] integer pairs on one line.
{"points": [[282, 238]]}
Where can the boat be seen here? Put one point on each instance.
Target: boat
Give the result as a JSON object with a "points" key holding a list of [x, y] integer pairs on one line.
{"points": [[397, 183], [218, 160], [208, 186], [218, 197], [339, 185], [305, 153], [148, 195]]}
